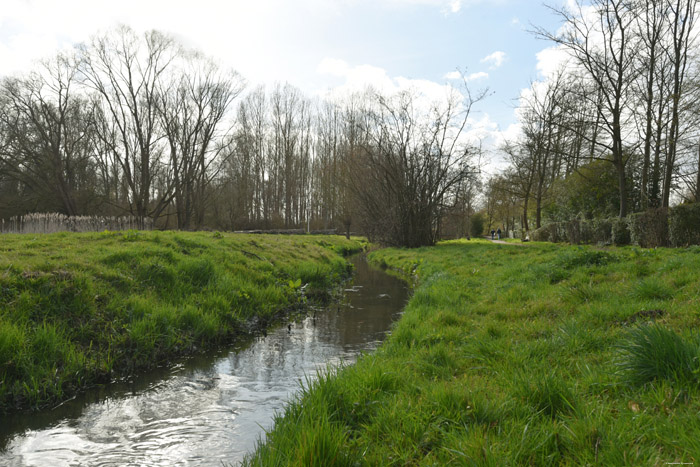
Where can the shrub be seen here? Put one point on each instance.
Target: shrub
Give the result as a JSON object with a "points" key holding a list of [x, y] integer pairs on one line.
{"points": [[620, 232], [684, 225], [649, 229]]}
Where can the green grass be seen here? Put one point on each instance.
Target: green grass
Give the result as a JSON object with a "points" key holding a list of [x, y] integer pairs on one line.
{"points": [[507, 355], [80, 309]]}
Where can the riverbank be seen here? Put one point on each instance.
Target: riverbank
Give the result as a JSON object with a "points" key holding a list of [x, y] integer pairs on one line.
{"points": [[82, 309], [548, 355]]}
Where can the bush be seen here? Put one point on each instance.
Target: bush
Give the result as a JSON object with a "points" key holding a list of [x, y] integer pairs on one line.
{"points": [[620, 232], [649, 229], [684, 225]]}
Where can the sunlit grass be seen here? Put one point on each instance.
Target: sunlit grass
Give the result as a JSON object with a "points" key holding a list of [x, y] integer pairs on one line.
{"points": [[520, 355], [77, 309]]}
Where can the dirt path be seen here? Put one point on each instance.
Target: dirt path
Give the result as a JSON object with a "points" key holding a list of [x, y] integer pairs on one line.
{"points": [[501, 242]]}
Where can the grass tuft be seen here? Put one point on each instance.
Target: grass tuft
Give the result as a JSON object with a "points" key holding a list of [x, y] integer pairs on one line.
{"points": [[654, 353]]}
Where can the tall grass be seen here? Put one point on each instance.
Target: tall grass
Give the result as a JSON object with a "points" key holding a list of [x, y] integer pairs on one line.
{"points": [[506, 355], [78, 309]]}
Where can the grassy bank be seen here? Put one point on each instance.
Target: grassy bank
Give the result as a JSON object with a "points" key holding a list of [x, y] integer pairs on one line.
{"points": [[78, 309], [515, 355]]}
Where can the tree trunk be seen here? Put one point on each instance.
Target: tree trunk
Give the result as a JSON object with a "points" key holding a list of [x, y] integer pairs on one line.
{"points": [[697, 181]]}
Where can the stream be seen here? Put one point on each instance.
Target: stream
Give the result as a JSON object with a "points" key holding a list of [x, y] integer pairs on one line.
{"points": [[211, 409]]}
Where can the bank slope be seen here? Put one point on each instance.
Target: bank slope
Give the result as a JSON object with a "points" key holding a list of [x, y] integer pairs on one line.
{"points": [[515, 355], [77, 309]]}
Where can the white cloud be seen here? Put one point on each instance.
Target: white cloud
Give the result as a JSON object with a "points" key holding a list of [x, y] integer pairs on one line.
{"points": [[446, 6], [550, 60], [496, 59], [455, 75], [477, 76], [360, 77]]}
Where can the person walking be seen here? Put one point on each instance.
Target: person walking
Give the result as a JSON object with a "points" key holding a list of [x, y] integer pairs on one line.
{"points": [[493, 232], [499, 233]]}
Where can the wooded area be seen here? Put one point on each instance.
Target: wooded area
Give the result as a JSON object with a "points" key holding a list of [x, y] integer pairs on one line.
{"points": [[615, 130], [137, 124]]}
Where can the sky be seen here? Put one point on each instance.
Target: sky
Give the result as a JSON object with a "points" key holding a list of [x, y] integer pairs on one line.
{"points": [[320, 46]]}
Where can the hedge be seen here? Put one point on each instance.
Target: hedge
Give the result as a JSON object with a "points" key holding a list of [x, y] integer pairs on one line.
{"points": [[677, 226], [649, 229], [684, 225], [620, 232]]}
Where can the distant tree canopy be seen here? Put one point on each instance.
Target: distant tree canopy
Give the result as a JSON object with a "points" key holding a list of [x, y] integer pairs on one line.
{"points": [[137, 124]]}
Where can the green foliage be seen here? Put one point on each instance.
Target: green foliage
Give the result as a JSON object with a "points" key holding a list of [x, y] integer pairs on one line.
{"points": [[590, 191], [652, 289], [130, 235], [684, 225], [555, 232], [85, 307]]}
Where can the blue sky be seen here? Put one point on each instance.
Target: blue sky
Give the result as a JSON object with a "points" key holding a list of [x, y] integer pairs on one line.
{"points": [[316, 45]]}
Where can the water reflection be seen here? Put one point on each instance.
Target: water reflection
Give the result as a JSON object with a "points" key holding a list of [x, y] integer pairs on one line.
{"points": [[210, 409]]}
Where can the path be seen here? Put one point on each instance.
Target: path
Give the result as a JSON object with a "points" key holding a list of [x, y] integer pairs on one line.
{"points": [[501, 242]]}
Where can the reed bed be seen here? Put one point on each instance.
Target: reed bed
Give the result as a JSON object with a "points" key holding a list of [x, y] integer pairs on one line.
{"points": [[46, 223]]}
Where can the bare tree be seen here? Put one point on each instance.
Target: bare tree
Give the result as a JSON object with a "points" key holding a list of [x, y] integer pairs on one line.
{"points": [[652, 27], [47, 135], [682, 23], [125, 71], [600, 40], [192, 108], [404, 178]]}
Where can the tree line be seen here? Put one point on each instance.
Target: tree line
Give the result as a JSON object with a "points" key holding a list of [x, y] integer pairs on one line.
{"points": [[137, 124], [614, 131]]}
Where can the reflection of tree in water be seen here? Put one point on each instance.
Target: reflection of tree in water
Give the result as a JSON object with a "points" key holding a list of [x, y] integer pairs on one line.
{"points": [[341, 331]]}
